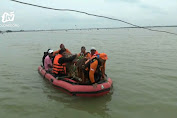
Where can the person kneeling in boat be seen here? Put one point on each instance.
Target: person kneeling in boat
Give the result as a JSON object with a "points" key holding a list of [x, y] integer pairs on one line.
{"points": [[48, 61], [95, 68], [62, 49], [84, 54], [59, 64]]}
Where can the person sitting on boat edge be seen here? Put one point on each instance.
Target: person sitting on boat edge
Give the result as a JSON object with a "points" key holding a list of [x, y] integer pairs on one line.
{"points": [[83, 53], [59, 64], [63, 49], [45, 54], [93, 51], [95, 68], [48, 61]]}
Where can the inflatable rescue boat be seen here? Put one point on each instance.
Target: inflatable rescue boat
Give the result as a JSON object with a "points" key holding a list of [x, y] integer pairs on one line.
{"points": [[73, 88]]}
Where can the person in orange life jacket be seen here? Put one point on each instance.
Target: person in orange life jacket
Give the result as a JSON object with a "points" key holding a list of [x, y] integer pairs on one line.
{"points": [[83, 53], [48, 61], [95, 68], [59, 64], [93, 51], [63, 49]]}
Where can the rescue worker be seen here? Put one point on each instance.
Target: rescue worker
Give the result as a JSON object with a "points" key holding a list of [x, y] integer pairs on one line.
{"points": [[93, 51], [48, 61], [83, 53], [95, 68], [63, 49], [59, 64]]}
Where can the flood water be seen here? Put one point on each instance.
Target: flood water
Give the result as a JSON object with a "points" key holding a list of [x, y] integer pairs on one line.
{"points": [[142, 65]]}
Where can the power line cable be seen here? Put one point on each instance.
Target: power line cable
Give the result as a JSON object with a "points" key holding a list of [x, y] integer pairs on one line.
{"points": [[71, 10]]}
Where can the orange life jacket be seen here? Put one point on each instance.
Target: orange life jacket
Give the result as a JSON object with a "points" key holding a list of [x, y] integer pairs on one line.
{"points": [[88, 62], [97, 74], [58, 68], [96, 53], [58, 51]]}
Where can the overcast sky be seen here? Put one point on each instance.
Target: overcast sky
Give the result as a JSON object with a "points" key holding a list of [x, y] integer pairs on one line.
{"points": [[139, 12]]}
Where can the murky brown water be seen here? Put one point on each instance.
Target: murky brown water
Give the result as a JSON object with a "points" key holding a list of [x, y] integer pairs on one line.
{"points": [[142, 65]]}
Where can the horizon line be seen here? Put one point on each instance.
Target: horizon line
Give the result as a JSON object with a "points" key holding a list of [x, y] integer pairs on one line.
{"points": [[82, 28]]}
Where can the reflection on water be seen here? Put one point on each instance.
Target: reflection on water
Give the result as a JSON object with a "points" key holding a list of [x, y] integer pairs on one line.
{"points": [[97, 106]]}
